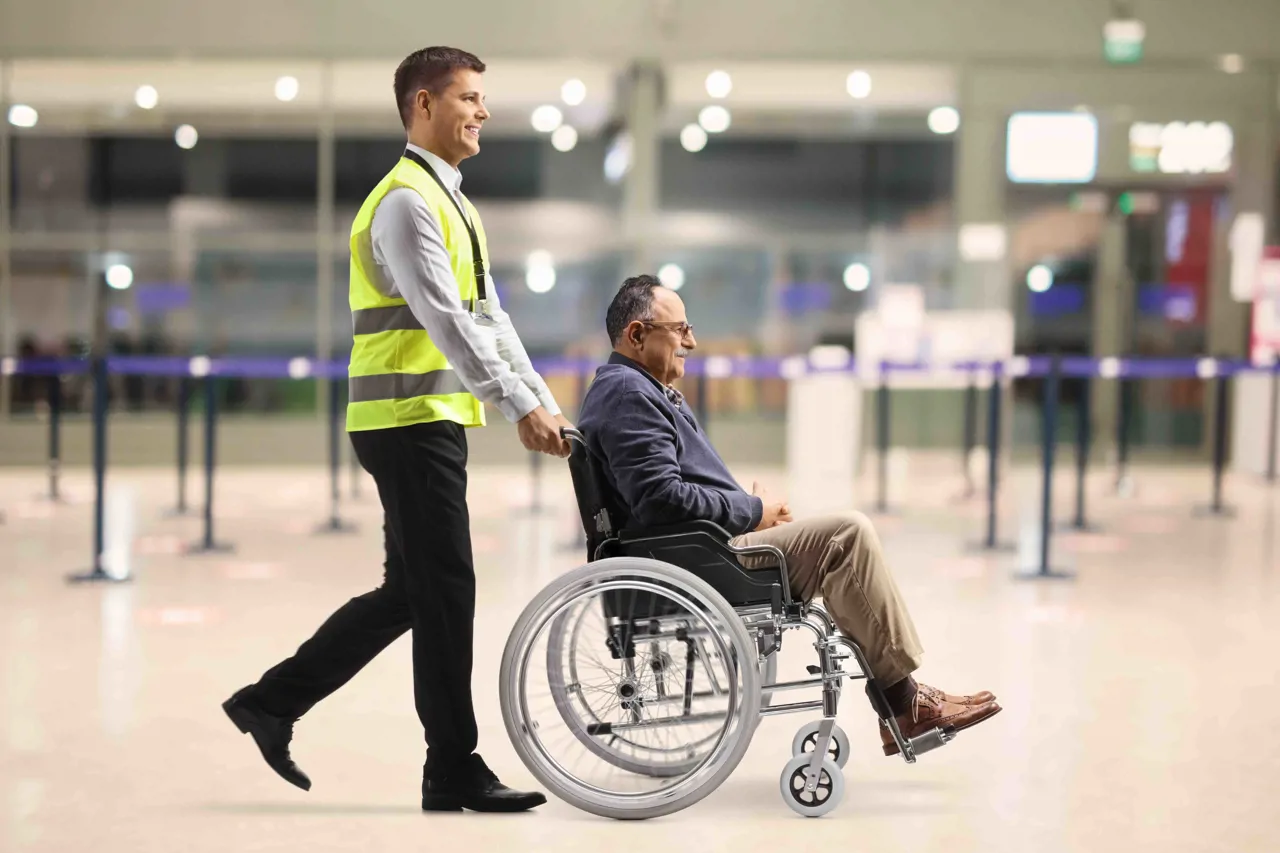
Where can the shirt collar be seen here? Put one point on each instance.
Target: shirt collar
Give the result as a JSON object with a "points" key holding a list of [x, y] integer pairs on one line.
{"points": [[671, 393], [452, 177]]}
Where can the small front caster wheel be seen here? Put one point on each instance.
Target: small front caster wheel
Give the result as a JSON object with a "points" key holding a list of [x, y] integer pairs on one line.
{"points": [[816, 800]]}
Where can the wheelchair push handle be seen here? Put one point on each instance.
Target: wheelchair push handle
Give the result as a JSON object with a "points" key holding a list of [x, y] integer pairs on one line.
{"points": [[571, 434]]}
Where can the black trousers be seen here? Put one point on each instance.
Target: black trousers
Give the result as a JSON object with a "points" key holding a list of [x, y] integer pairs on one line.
{"points": [[428, 586]]}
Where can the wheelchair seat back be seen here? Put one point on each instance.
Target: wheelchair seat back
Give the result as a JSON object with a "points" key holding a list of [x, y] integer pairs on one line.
{"points": [[588, 490], [698, 546]]}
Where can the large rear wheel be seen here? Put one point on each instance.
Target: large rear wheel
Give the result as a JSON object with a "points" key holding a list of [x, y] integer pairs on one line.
{"points": [[629, 688]]}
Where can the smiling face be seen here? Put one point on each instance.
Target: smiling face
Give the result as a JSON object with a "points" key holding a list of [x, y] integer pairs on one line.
{"points": [[661, 343], [448, 123]]}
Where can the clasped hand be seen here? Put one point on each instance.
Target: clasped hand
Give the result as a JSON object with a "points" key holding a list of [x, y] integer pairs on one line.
{"points": [[775, 513]]}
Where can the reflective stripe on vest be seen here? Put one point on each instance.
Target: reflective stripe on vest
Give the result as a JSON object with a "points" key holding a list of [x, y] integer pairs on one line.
{"points": [[391, 318], [398, 376], [401, 386]]}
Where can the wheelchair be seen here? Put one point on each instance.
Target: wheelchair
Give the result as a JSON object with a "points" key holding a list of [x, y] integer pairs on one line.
{"points": [[631, 686]]}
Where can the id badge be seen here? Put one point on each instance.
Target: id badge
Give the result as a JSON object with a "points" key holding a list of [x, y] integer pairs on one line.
{"points": [[481, 314]]}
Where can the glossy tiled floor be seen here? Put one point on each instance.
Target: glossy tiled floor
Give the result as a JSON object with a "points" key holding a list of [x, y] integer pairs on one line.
{"points": [[1140, 699]]}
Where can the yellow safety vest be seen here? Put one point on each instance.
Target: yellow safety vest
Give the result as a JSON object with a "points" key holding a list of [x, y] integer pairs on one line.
{"points": [[398, 376]]}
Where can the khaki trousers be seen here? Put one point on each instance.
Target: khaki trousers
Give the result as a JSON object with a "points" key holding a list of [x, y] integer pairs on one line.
{"points": [[839, 558]]}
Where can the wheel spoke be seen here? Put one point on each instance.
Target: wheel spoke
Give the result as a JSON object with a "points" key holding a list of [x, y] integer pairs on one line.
{"points": [[586, 689]]}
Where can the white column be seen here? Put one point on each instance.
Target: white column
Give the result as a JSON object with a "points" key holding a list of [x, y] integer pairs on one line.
{"points": [[643, 106], [979, 196], [325, 216], [1114, 306]]}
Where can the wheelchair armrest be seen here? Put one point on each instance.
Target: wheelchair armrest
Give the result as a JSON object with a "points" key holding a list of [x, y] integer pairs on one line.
{"points": [[695, 526], [714, 540], [708, 528]]}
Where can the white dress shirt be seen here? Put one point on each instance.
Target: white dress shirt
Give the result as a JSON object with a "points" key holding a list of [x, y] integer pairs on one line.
{"points": [[408, 246]]}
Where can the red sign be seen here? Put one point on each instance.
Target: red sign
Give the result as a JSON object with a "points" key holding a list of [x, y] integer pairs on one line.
{"points": [[1264, 338]]}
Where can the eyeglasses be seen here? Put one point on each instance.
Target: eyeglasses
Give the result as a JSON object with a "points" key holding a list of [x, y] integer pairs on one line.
{"points": [[680, 328]]}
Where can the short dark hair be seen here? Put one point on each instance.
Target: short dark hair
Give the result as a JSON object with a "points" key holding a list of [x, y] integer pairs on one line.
{"points": [[430, 68], [634, 301]]}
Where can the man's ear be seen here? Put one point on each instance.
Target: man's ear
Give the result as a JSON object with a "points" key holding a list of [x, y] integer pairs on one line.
{"points": [[424, 101]]}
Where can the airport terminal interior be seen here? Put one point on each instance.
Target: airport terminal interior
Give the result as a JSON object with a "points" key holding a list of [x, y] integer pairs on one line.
{"points": [[1003, 281]]}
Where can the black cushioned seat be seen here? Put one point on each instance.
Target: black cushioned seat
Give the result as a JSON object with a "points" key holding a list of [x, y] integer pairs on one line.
{"points": [[700, 547]]}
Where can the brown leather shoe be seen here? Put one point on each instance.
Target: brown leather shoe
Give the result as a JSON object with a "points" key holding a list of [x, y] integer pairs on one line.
{"points": [[930, 711], [979, 698]]}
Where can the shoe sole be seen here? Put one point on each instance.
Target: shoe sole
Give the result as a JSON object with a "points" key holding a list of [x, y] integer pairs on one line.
{"points": [[438, 803], [452, 803], [892, 748], [242, 722]]}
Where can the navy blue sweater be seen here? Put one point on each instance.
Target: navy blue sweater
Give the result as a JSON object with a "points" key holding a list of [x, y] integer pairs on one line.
{"points": [[660, 466]]}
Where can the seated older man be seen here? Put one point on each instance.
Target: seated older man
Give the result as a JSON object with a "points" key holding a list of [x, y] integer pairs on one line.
{"points": [[661, 469]]}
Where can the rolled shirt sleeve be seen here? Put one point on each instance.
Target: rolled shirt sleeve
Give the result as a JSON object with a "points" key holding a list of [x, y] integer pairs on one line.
{"points": [[513, 352]]}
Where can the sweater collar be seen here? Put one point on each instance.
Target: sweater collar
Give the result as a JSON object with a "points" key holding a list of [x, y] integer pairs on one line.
{"points": [[671, 393]]}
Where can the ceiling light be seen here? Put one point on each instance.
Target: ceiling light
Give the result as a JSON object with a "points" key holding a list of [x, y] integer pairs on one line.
{"points": [[540, 279], [564, 138], [671, 276], [119, 276], [714, 119], [540, 271], [944, 120], [146, 97], [857, 277], [547, 118], [573, 92], [719, 84], [693, 138], [21, 115], [186, 137], [1039, 278], [287, 88], [858, 84]]}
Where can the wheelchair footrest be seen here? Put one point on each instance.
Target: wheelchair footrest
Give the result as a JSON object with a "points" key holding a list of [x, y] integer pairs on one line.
{"points": [[931, 740]]}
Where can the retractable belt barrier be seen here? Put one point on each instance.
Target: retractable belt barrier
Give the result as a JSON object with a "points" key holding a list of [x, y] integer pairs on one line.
{"points": [[1052, 368]]}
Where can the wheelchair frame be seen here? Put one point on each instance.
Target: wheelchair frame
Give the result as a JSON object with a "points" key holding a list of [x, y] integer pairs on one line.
{"points": [[761, 598]]}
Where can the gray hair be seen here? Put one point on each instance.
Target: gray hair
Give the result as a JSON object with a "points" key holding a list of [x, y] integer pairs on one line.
{"points": [[634, 301]]}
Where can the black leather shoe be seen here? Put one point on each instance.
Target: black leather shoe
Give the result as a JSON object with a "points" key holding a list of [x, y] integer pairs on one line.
{"points": [[272, 735], [473, 786]]}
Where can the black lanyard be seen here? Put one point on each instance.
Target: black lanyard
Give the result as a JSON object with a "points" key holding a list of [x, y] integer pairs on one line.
{"points": [[477, 258]]}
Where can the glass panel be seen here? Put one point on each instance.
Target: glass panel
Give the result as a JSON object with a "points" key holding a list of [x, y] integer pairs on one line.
{"points": [[258, 304], [1053, 262], [1169, 257], [146, 186], [1054, 247], [143, 303], [52, 179], [567, 320], [51, 318], [340, 309]]}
